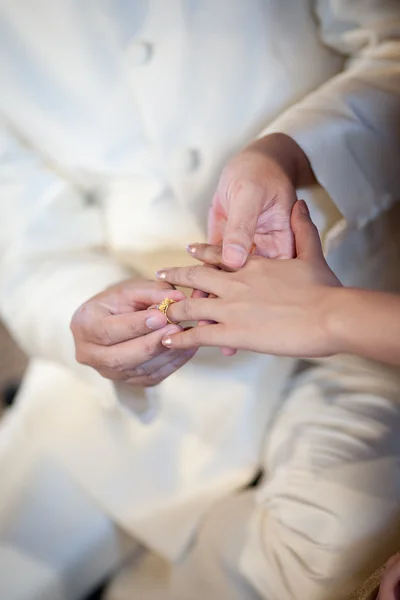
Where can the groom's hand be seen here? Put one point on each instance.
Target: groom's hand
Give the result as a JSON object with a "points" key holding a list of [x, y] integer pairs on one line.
{"points": [[254, 200], [116, 335]]}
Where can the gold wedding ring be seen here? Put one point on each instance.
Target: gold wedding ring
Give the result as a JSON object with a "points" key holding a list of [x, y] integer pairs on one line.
{"points": [[164, 306]]}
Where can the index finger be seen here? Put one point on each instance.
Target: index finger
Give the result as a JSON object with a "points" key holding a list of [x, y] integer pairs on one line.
{"points": [[209, 254], [196, 277], [115, 329], [96, 322]]}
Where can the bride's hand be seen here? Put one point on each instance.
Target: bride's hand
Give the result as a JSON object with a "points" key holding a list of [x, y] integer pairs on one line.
{"points": [[270, 306]]}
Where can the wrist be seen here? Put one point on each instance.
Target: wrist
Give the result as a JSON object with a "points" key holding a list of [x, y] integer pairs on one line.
{"points": [[338, 314], [288, 155]]}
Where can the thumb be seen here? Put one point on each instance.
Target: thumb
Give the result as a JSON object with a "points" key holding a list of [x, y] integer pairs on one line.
{"points": [[244, 210], [307, 240]]}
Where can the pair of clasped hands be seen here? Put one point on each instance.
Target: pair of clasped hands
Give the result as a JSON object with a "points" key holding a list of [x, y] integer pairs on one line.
{"points": [[249, 300]]}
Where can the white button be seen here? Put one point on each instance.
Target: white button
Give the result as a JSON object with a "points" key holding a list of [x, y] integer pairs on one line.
{"points": [[92, 199], [139, 53], [185, 160]]}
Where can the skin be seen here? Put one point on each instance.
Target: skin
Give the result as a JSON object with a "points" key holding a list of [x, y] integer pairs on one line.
{"points": [[255, 307], [254, 199], [295, 307], [390, 586], [116, 335]]}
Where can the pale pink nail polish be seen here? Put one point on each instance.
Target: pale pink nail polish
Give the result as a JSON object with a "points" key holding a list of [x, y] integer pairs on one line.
{"points": [[191, 248]]}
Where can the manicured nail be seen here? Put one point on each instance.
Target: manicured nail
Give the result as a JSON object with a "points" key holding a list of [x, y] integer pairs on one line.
{"points": [[304, 208], [167, 340], [234, 255], [191, 248], [161, 274], [156, 322]]}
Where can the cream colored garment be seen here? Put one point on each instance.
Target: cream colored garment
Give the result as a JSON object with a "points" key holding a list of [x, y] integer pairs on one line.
{"points": [[327, 511], [118, 118], [325, 516]]}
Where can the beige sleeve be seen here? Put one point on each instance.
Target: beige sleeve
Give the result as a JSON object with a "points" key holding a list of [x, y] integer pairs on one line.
{"points": [[350, 127]]}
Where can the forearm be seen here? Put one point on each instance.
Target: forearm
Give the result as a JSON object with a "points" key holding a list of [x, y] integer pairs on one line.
{"points": [[364, 323]]}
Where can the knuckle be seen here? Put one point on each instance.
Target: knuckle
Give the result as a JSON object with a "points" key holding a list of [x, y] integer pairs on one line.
{"points": [[193, 272], [139, 371], [195, 336], [188, 309], [134, 330], [149, 349], [112, 362], [102, 335], [245, 228]]}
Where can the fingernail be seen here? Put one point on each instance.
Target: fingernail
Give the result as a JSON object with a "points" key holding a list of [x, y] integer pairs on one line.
{"points": [[191, 248], [161, 274], [167, 341], [156, 322], [173, 329], [235, 255], [304, 208]]}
